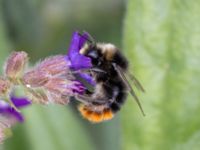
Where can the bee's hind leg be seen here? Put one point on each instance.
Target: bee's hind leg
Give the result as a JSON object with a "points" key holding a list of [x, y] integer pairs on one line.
{"points": [[89, 100]]}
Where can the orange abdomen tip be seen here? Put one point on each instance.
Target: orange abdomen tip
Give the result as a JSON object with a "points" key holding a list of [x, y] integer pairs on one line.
{"points": [[107, 114], [95, 117]]}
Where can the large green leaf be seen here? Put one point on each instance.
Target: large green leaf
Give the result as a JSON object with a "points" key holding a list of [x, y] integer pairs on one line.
{"points": [[162, 40]]}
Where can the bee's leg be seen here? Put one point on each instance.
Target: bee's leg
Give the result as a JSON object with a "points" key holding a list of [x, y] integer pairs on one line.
{"points": [[88, 69], [88, 99], [85, 100]]}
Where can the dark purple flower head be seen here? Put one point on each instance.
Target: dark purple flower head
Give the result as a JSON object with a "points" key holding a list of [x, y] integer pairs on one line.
{"points": [[78, 61], [9, 112]]}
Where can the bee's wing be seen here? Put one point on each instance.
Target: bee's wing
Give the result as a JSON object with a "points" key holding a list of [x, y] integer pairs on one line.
{"points": [[135, 81], [132, 92]]}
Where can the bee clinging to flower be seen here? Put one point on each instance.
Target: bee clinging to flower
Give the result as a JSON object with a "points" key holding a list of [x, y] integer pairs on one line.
{"points": [[109, 72], [93, 73]]}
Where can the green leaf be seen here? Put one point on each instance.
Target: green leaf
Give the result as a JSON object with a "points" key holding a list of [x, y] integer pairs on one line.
{"points": [[161, 39]]}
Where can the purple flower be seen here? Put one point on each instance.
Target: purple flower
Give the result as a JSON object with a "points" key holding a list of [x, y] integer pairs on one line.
{"points": [[88, 78], [20, 102], [77, 60], [9, 112]]}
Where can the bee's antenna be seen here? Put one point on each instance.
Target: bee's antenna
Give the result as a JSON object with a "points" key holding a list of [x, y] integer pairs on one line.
{"points": [[85, 38], [91, 39], [135, 81]]}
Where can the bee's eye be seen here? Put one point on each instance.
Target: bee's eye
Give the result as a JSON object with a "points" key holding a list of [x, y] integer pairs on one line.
{"points": [[93, 54], [99, 63]]}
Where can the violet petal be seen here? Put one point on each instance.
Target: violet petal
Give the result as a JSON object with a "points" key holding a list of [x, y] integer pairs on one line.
{"points": [[83, 39], [8, 111], [78, 88], [74, 44], [78, 61], [88, 78], [20, 101], [12, 112]]}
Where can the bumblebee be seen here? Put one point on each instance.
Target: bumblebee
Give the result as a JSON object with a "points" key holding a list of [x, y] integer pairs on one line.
{"points": [[110, 72]]}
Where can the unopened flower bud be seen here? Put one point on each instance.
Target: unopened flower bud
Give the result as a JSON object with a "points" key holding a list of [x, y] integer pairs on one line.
{"points": [[15, 65], [4, 86], [56, 65], [35, 78]]}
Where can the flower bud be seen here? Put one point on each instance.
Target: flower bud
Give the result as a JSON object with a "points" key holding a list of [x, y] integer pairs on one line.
{"points": [[15, 65], [35, 78], [4, 86], [56, 65]]}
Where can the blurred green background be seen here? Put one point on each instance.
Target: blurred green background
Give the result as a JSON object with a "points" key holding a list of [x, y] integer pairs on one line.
{"points": [[161, 38]]}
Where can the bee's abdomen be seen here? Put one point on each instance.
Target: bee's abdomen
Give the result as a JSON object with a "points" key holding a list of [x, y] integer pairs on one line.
{"points": [[95, 116], [118, 102], [105, 113]]}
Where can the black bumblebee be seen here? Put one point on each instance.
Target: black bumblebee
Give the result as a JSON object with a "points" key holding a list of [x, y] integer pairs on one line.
{"points": [[109, 69]]}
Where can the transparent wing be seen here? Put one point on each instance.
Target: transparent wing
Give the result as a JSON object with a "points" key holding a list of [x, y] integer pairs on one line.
{"points": [[132, 92], [136, 82]]}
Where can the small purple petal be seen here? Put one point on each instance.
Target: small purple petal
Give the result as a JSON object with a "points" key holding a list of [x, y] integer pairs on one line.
{"points": [[20, 101], [78, 61], [8, 111], [83, 39], [13, 113], [88, 78], [74, 45], [78, 87]]}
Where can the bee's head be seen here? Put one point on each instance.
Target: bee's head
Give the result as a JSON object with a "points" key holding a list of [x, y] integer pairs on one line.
{"points": [[101, 53], [93, 53], [112, 54]]}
